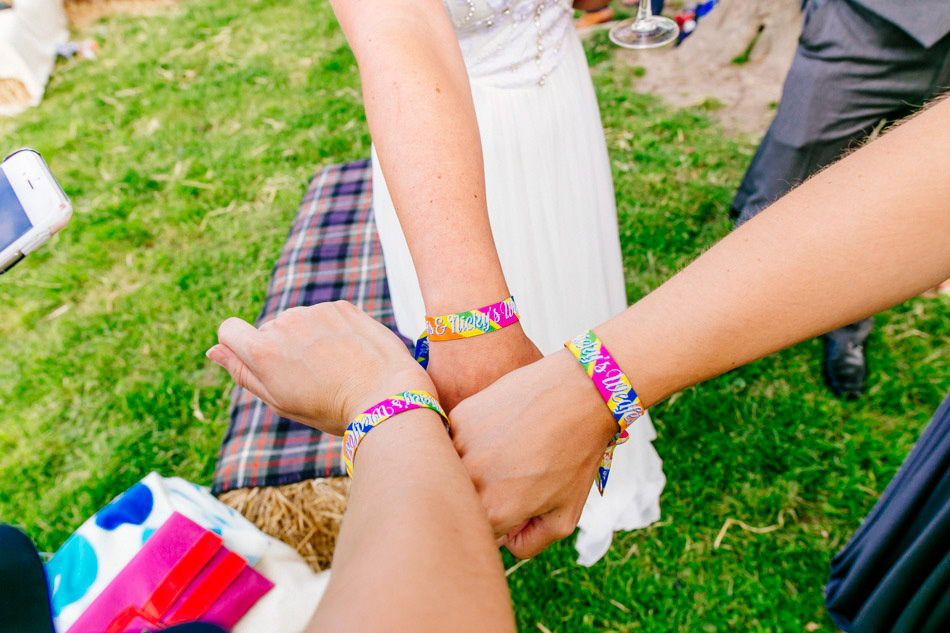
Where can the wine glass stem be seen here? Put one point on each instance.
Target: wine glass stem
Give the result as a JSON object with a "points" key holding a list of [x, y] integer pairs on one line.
{"points": [[645, 11]]}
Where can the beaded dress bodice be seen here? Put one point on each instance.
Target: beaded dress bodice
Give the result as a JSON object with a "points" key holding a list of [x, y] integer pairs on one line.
{"points": [[511, 43]]}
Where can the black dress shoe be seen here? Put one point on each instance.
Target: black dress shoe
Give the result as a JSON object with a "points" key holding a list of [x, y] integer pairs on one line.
{"points": [[845, 367]]}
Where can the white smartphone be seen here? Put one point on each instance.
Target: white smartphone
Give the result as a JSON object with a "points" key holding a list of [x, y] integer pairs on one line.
{"points": [[33, 206]]}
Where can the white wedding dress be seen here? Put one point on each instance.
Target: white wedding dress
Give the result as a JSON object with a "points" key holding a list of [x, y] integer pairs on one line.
{"points": [[551, 205]]}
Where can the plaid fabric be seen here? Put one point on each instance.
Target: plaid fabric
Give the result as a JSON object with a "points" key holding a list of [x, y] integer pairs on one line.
{"points": [[331, 253]]}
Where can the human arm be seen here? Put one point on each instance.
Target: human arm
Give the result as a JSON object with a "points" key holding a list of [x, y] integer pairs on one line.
{"points": [[422, 119], [859, 237], [415, 545], [415, 552]]}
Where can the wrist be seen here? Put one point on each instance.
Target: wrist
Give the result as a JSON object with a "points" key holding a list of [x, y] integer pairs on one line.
{"points": [[449, 296], [614, 388], [508, 335], [472, 323], [382, 412], [599, 425], [475, 324], [400, 436], [411, 378]]}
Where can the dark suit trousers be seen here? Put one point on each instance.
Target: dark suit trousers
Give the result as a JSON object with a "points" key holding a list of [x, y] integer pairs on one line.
{"points": [[852, 70]]}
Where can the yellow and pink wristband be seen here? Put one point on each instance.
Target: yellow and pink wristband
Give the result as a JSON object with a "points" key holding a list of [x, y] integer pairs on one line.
{"points": [[614, 387], [465, 325], [472, 323], [443, 328], [379, 413]]}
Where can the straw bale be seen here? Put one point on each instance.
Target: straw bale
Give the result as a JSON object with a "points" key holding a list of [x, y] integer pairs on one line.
{"points": [[84, 12], [305, 515], [13, 92]]}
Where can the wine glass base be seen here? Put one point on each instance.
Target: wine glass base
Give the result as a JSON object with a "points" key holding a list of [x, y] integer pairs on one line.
{"points": [[650, 33]]}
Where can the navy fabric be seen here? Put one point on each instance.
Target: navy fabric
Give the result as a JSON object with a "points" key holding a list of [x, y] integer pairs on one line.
{"points": [[24, 596], [197, 627], [894, 574]]}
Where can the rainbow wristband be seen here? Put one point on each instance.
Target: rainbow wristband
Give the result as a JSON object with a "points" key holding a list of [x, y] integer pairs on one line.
{"points": [[379, 413], [472, 323], [465, 325], [614, 388]]}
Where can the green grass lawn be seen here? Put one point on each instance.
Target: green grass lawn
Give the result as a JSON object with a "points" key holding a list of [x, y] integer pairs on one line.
{"points": [[186, 148]]}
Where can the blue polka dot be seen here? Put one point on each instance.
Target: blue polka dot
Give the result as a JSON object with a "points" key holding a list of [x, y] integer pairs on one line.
{"points": [[71, 572], [133, 507]]}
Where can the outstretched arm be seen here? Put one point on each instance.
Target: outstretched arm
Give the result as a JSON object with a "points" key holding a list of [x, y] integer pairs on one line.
{"points": [[420, 112], [415, 552], [861, 236], [858, 238]]}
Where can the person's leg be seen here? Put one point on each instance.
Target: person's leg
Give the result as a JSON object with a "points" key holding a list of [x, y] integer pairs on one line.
{"points": [[940, 53], [844, 366], [605, 13], [852, 70], [592, 17], [656, 5]]}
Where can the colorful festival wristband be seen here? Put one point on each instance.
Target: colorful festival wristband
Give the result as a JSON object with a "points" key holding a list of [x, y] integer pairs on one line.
{"points": [[614, 388], [465, 325], [379, 413]]}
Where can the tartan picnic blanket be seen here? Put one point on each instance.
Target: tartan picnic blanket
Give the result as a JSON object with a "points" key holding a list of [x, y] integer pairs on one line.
{"points": [[331, 253]]}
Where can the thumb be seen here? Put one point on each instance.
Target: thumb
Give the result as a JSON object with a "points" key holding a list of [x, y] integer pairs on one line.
{"points": [[239, 336], [239, 371], [233, 353], [537, 535]]}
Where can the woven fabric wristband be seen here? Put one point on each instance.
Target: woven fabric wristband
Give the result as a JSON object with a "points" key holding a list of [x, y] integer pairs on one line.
{"points": [[472, 323], [379, 413], [451, 327], [614, 388]]}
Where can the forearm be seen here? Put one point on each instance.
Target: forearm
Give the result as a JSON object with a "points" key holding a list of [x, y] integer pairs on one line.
{"points": [[415, 552], [859, 237], [422, 119], [862, 236]]}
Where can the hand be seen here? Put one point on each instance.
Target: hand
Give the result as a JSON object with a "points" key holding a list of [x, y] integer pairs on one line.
{"points": [[532, 443], [464, 367], [321, 365]]}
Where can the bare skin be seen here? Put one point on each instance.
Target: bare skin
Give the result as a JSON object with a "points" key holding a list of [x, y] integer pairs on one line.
{"points": [[415, 544], [532, 440], [415, 89]]}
